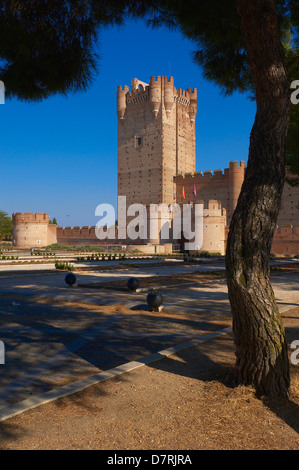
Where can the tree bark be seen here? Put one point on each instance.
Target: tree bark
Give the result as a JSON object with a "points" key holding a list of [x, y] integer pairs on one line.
{"points": [[261, 348]]}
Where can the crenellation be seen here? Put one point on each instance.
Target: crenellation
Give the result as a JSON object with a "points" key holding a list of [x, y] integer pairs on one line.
{"points": [[30, 217], [218, 173], [153, 80], [199, 174]]}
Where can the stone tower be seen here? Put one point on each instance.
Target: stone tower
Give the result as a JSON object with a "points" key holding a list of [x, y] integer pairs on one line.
{"points": [[33, 230], [156, 139]]}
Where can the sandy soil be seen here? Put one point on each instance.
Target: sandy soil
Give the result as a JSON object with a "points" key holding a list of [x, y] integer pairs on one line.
{"points": [[187, 401]]}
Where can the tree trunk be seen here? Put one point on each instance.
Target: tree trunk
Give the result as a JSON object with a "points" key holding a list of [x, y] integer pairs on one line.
{"points": [[261, 349]]}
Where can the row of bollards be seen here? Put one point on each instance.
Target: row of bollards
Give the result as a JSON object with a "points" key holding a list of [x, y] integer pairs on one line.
{"points": [[154, 298]]}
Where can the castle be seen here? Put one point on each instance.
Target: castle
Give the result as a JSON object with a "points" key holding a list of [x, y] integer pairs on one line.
{"points": [[156, 165]]}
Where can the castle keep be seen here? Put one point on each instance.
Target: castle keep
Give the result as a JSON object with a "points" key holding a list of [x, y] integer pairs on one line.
{"points": [[156, 165], [156, 139]]}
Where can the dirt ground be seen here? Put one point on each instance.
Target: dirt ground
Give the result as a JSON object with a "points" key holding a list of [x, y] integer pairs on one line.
{"points": [[185, 402], [165, 280]]}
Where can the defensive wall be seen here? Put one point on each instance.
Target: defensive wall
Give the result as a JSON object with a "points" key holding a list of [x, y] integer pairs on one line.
{"points": [[224, 186], [286, 241]]}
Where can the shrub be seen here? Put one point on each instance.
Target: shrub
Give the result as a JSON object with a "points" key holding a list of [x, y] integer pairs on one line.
{"points": [[64, 265]]}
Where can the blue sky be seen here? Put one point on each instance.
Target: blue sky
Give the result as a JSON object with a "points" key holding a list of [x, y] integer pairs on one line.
{"points": [[60, 156]]}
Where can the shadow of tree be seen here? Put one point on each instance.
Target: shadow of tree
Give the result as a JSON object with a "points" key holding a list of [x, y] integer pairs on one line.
{"points": [[198, 363], [9, 432], [201, 367], [286, 410]]}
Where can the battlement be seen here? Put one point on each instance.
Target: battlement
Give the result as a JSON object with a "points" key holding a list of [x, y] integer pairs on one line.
{"points": [[286, 240], [214, 207], [210, 174], [235, 164], [85, 232], [282, 231], [124, 88], [160, 80], [29, 217], [67, 232], [141, 92], [181, 93]]}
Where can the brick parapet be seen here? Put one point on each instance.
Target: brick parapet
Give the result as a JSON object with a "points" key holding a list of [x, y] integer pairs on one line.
{"points": [[141, 92], [30, 217], [209, 175]]}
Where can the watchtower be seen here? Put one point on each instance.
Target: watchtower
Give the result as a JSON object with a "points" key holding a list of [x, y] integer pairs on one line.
{"points": [[156, 139], [32, 230]]}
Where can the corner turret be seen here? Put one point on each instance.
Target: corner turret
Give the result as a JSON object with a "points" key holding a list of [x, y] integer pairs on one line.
{"points": [[121, 101], [168, 94], [155, 95]]}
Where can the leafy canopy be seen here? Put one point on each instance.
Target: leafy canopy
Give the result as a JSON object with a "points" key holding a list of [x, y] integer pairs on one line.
{"points": [[49, 47]]}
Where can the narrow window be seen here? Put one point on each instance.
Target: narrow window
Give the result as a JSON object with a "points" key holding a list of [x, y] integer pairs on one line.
{"points": [[138, 142]]}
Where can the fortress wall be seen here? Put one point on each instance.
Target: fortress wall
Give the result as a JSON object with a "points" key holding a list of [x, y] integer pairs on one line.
{"points": [[224, 186], [81, 236], [52, 234], [289, 211], [286, 241]]}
